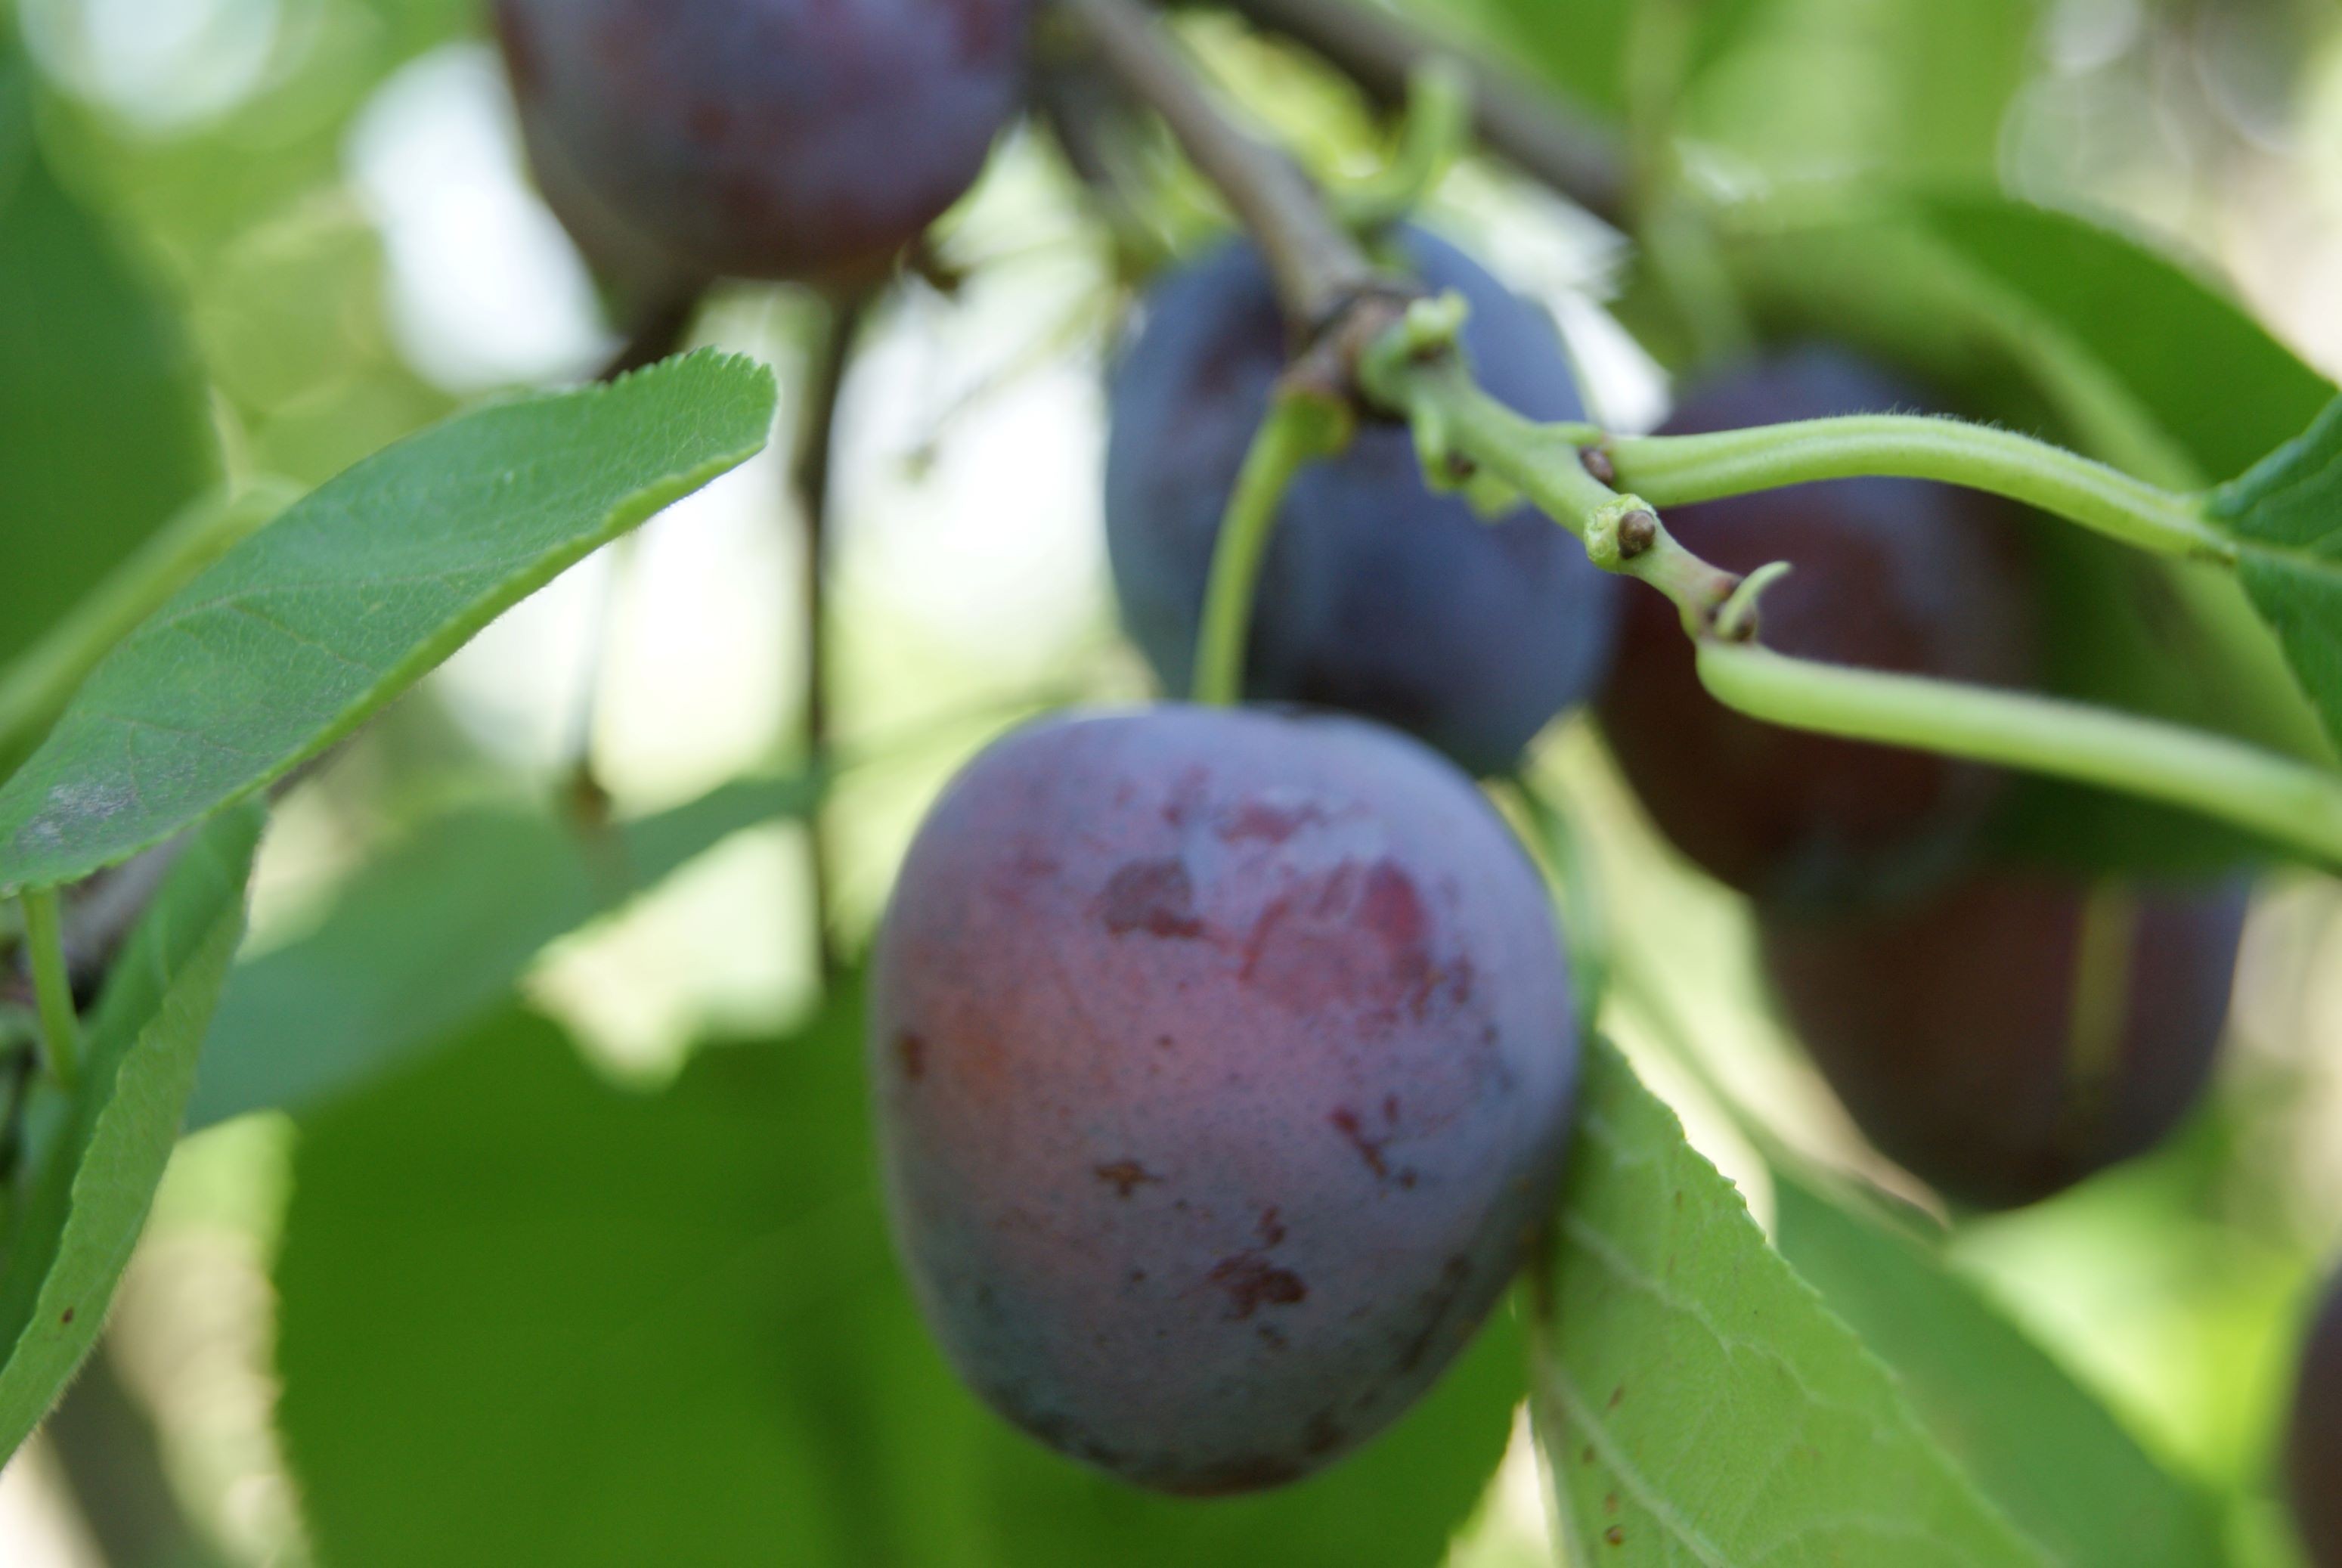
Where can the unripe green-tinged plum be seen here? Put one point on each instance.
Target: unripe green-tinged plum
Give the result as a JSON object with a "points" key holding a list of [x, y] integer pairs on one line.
{"points": [[1886, 573], [2008, 1037], [802, 139], [2314, 1449], [1224, 1063], [1378, 596]]}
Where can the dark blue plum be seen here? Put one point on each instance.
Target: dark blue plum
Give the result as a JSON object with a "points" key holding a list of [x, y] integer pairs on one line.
{"points": [[2313, 1447], [1888, 573], [802, 139], [1377, 597], [2008, 1037], [1223, 1061]]}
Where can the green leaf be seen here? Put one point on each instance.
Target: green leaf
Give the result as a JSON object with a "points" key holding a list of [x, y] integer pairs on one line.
{"points": [[2029, 318], [104, 428], [412, 952], [1697, 1401], [303, 630], [100, 1156], [2289, 510], [2046, 1451], [596, 1327]]}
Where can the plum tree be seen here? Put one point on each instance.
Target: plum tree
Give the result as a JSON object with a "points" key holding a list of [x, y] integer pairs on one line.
{"points": [[1378, 596], [1222, 1063], [2006, 1037], [1888, 573], [2314, 1451], [759, 138]]}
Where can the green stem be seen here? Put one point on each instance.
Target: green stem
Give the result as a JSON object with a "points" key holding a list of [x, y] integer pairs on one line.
{"points": [[1434, 136], [53, 985], [2285, 801], [1414, 371], [35, 688], [1301, 427], [1677, 470]]}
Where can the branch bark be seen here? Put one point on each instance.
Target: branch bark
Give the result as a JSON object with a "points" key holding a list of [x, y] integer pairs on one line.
{"points": [[1318, 268]]}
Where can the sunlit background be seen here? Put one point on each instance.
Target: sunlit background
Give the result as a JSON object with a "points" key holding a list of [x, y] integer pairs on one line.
{"points": [[334, 189]]}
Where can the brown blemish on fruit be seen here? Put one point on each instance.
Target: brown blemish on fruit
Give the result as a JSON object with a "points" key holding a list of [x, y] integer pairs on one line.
{"points": [[1151, 896], [1126, 1176], [1345, 1122], [1253, 1282], [1616, 1535], [66, 1316], [911, 1050], [1271, 1229], [1618, 1396], [1259, 822]]}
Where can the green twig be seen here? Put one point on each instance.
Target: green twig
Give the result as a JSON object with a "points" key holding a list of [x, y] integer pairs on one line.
{"points": [[1301, 427], [1434, 136], [1677, 470], [53, 986], [1419, 370], [2285, 801]]}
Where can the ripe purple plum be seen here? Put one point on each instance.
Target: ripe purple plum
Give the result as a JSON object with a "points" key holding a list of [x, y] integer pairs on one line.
{"points": [[1224, 1063], [2008, 1037], [797, 139], [1378, 596], [2314, 1450], [1888, 574]]}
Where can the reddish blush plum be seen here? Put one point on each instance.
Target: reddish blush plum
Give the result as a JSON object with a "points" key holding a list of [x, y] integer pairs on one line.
{"points": [[2008, 1037], [1889, 575], [801, 139], [2314, 1451], [1224, 1063], [1378, 596]]}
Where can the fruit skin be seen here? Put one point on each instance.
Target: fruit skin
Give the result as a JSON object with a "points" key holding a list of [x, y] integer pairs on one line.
{"points": [[2314, 1451], [1958, 1031], [1222, 1061], [1888, 573], [1377, 597], [799, 139]]}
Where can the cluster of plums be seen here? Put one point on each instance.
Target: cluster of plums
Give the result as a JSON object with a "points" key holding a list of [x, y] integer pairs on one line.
{"points": [[1225, 1060]]}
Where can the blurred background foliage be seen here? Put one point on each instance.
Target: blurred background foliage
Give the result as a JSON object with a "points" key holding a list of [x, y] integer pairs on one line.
{"points": [[278, 233]]}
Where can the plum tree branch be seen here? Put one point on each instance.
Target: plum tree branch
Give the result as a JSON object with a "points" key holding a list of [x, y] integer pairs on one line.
{"points": [[1381, 52], [1318, 268]]}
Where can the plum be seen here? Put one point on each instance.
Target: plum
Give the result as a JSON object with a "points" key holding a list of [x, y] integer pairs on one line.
{"points": [[2314, 1451], [1888, 573], [1378, 596], [2009, 1035], [1224, 1063], [798, 139]]}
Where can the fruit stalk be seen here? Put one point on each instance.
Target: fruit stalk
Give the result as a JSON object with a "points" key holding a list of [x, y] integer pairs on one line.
{"points": [[1301, 426], [2287, 802], [825, 383], [1679, 470]]}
